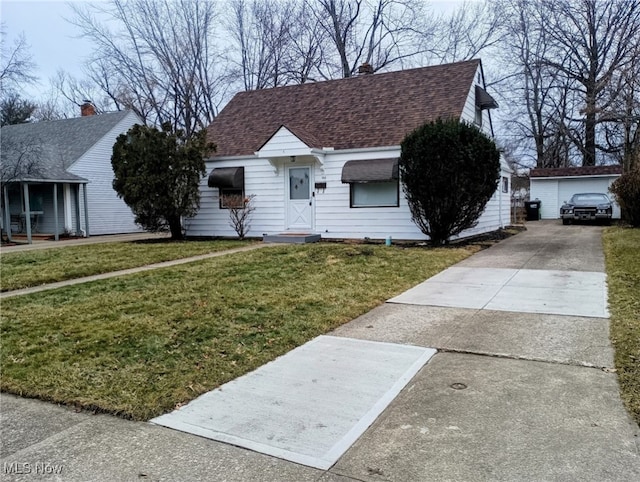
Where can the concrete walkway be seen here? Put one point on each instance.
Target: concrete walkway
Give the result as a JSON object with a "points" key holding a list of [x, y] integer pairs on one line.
{"points": [[110, 238], [508, 396], [122, 272]]}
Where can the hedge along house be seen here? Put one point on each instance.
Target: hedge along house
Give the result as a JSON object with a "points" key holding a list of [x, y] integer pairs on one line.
{"points": [[322, 158], [554, 186], [57, 176]]}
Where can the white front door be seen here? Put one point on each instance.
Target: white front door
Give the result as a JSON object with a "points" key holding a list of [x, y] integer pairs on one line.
{"points": [[300, 199]]}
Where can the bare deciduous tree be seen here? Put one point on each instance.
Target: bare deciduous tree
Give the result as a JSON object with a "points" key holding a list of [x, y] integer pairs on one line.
{"points": [[307, 39], [261, 33], [621, 119], [75, 92], [19, 159], [465, 33], [15, 110], [16, 71], [566, 61], [379, 33], [159, 60], [16, 66], [590, 41], [530, 85]]}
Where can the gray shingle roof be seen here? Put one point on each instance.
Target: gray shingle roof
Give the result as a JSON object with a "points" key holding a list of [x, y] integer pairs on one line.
{"points": [[53, 146]]}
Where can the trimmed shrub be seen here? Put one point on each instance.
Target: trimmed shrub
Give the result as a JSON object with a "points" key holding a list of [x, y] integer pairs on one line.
{"points": [[626, 190], [449, 171]]}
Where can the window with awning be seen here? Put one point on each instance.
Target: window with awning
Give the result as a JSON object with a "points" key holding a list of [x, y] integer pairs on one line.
{"points": [[372, 170], [230, 182], [484, 99], [372, 182], [227, 178]]}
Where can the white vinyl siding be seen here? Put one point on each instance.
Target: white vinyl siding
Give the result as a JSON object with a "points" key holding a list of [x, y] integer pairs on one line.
{"points": [[283, 144], [108, 214], [334, 218], [260, 180]]}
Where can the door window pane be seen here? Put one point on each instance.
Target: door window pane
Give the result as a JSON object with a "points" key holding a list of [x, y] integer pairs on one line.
{"points": [[299, 183]]}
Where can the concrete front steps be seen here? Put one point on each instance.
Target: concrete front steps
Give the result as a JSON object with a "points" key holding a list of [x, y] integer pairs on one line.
{"points": [[293, 238]]}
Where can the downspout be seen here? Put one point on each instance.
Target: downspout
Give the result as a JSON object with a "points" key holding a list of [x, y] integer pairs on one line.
{"points": [[67, 204], [86, 209], [77, 206], [500, 201]]}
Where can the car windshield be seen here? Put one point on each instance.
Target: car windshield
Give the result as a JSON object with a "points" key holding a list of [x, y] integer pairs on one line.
{"points": [[589, 198]]}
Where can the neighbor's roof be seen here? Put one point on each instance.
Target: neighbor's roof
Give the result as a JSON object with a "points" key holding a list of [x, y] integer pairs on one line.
{"points": [[372, 110], [576, 171], [56, 144]]}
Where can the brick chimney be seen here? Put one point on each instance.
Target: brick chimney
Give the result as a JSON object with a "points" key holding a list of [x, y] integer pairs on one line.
{"points": [[87, 109], [365, 69]]}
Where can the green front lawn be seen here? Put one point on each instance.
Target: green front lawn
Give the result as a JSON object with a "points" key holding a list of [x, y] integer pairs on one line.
{"points": [[140, 345], [622, 253], [32, 268]]}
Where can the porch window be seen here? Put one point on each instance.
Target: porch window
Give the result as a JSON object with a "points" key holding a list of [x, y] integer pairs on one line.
{"points": [[230, 182], [36, 197], [372, 183]]}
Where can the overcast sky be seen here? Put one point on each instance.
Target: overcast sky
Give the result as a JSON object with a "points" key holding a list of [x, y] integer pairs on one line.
{"points": [[54, 42], [50, 36]]}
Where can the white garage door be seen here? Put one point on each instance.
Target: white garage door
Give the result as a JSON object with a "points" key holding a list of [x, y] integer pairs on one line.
{"points": [[569, 187]]}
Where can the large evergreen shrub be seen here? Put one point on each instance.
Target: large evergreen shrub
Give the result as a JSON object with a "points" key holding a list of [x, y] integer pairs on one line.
{"points": [[449, 170], [157, 173], [626, 190]]}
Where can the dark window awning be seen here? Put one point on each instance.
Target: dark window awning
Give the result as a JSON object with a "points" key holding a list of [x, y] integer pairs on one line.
{"points": [[370, 170], [484, 100], [227, 178]]}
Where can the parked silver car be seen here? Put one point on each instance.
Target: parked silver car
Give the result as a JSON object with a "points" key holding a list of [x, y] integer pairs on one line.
{"points": [[587, 207]]}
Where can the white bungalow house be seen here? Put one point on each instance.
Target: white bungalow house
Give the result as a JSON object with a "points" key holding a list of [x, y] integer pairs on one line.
{"points": [[554, 186], [321, 158], [58, 176]]}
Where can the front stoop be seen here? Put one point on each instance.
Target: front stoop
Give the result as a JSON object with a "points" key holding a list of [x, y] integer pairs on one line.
{"points": [[294, 238]]}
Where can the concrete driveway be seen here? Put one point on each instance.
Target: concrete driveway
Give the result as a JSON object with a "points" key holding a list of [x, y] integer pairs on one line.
{"points": [[546, 245], [514, 393], [509, 395]]}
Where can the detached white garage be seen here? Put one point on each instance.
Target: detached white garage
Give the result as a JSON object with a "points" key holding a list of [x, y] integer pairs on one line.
{"points": [[554, 186]]}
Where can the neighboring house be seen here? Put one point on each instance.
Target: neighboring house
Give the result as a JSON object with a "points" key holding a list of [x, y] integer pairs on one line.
{"points": [[554, 186], [322, 158], [58, 175]]}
